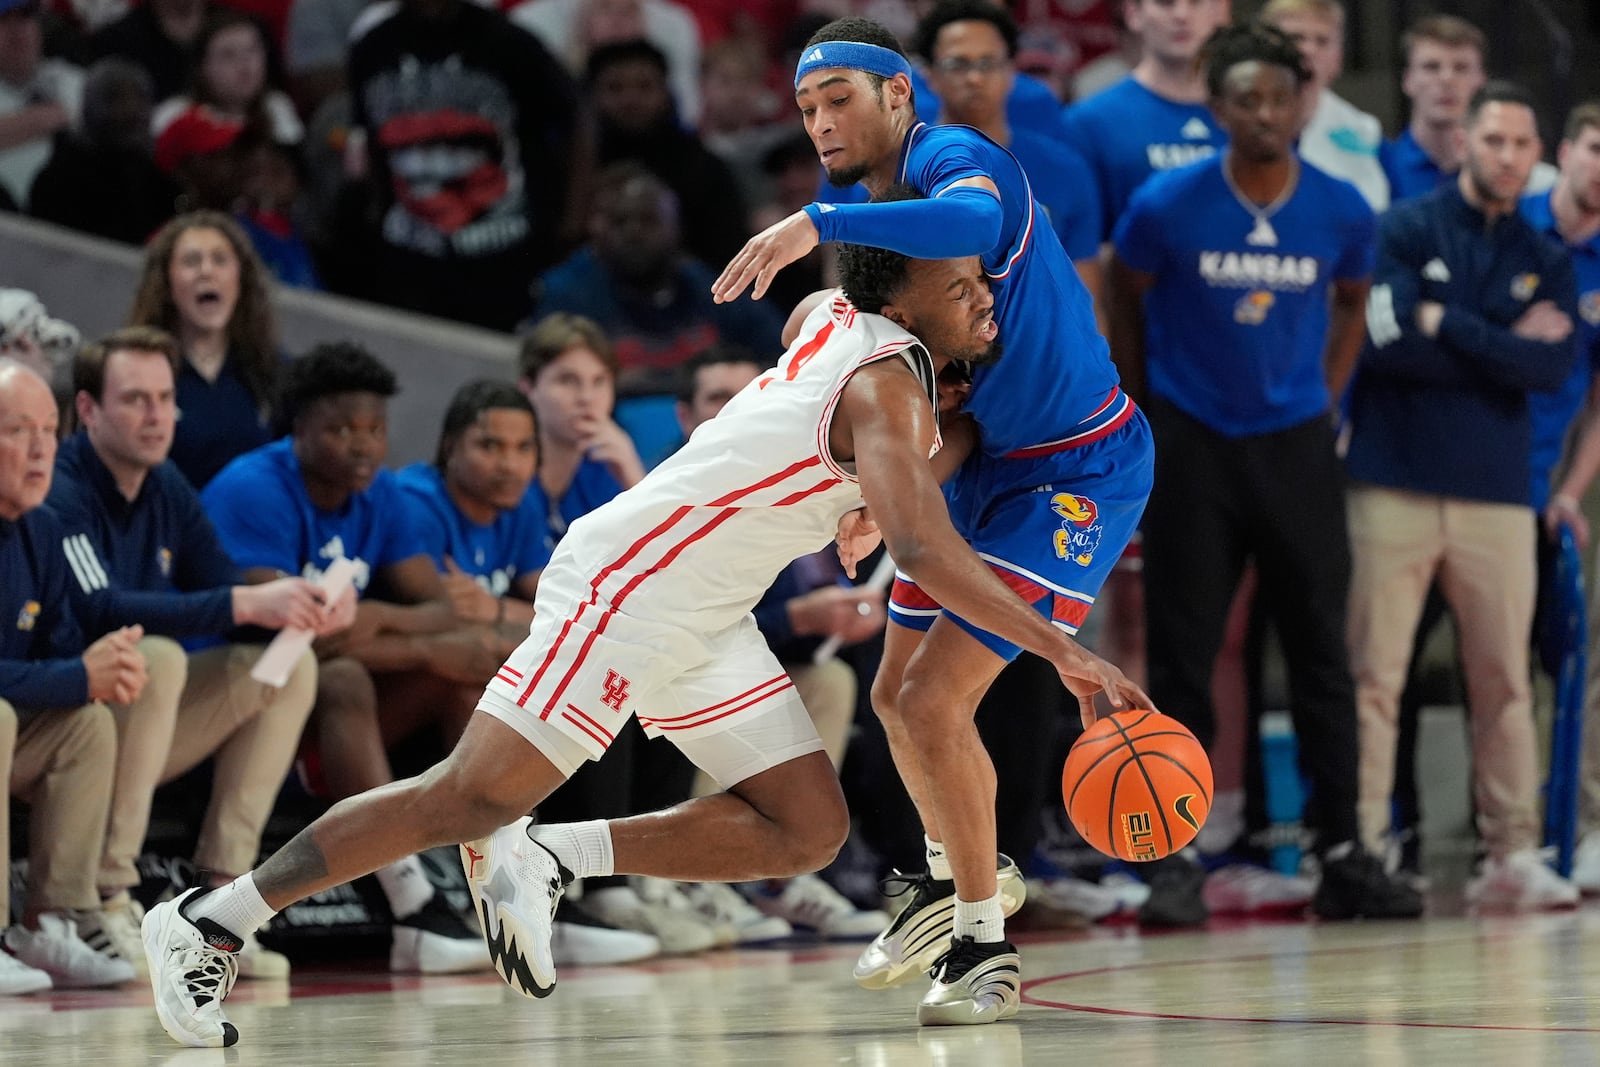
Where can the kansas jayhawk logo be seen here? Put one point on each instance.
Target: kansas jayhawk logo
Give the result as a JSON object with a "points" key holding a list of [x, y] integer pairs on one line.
{"points": [[28, 616], [1252, 308], [1589, 307], [164, 561], [1523, 286], [1080, 531]]}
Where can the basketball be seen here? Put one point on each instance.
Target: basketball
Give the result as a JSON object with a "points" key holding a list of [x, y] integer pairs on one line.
{"points": [[1137, 785]]}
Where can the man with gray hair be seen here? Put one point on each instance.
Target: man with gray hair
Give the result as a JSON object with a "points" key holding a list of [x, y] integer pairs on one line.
{"points": [[57, 742]]}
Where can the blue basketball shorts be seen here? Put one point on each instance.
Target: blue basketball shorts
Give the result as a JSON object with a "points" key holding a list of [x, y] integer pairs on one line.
{"points": [[1052, 526]]}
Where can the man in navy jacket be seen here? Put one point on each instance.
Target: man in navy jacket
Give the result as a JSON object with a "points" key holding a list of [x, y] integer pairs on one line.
{"points": [[1471, 310], [57, 742], [142, 551]]}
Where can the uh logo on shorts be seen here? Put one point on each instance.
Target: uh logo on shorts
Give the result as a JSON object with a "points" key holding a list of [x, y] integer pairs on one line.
{"points": [[1081, 529], [616, 691]]}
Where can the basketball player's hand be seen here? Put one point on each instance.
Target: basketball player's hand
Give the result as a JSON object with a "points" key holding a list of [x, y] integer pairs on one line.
{"points": [[115, 667], [1086, 674], [858, 537], [470, 601], [361, 629], [607, 443], [764, 255], [286, 603]]}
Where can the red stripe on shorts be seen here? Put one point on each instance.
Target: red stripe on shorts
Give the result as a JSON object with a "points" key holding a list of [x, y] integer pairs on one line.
{"points": [[747, 704], [609, 736], [1026, 588], [1070, 611], [911, 597], [720, 704], [585, 729]]}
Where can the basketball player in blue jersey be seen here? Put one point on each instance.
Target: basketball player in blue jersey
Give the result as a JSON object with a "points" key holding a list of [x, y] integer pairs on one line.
{"points": [[1238, 286], [1050, 494]]}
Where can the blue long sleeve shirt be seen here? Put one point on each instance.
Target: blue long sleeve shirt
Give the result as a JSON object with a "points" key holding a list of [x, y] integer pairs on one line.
{"points": [[1448, 415], [41, 646], [154, 560]]}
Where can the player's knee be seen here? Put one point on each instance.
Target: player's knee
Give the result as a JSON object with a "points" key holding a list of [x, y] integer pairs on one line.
{"points": [[926, 703], [886, 697], [822, 833], [466, 801]]}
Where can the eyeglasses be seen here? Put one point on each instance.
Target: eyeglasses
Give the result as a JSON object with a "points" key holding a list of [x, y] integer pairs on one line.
{"points": [[956, 65]]}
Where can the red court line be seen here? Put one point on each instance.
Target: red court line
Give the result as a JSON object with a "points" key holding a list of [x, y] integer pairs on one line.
{"points": [[1094, 1009]]}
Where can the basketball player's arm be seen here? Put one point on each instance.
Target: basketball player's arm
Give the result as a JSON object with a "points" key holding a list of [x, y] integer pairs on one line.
{"points": [[885, 422], [1125, 310], [1347, 332]]}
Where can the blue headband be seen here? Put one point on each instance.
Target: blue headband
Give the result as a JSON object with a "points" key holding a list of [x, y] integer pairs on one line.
{"points": [[874, 59]]}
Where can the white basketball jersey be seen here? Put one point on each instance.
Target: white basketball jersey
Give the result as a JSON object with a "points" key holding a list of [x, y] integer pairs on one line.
{"points": [[702, 537]]}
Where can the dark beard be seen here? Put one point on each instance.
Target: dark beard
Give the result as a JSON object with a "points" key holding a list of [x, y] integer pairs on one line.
{"points": [[988, 355], [844, 179]]}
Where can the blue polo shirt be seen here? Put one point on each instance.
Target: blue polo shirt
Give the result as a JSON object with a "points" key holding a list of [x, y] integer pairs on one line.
{"points": [[1236, 323], [266, 519], [216, 422], [1410, 170], [154, 560], [1128, 133], [592, 485], [41, 647], [517, 542], [1551, 414]]}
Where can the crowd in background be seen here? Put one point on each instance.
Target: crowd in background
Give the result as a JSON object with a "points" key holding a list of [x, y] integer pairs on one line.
{"points": [[1367, 360]]}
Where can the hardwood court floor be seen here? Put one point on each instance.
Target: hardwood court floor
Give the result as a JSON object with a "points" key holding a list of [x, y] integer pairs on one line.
{"points": [[1493, 990]]}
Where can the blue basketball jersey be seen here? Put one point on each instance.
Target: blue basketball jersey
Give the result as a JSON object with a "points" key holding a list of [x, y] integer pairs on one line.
{"points": [[1128, 133], [259, 506], [1552, 413], [1237, 320], [515, 543], [1055, 378]]}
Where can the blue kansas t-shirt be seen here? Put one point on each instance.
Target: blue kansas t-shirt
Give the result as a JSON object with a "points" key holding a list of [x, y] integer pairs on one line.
{"points": [[517, 542], [1236, 323]]}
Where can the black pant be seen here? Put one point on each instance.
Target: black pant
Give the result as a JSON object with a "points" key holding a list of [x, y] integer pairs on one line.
{"points": [[1277, 498]]}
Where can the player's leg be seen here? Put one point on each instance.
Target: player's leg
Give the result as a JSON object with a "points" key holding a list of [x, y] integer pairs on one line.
{"points": [[900, 643]]}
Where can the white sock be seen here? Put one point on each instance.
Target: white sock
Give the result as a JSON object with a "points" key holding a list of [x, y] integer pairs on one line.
{"points": [[584, 848], [938, 862], [406, 886], [236, 907], [981, 920]]}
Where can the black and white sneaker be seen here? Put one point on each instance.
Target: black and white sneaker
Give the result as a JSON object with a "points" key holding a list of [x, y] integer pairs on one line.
{"points": [[920, 934], [974, 982], [436, 940], [515, 884], [193, 964]]}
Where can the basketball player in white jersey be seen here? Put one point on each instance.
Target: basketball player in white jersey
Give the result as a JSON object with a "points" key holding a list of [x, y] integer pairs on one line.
{"points": [[645, 609]]}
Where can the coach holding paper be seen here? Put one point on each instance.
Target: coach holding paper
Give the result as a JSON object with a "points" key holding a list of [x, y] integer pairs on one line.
{"points": [[142, 551]]}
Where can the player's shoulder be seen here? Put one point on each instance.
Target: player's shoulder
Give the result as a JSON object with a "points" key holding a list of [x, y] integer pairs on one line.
{"points": [[1104, 106], [1334, 194], [1173, 189]]}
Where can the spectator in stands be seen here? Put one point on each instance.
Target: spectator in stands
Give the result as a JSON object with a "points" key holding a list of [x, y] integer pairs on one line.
{"points": [[314, 49], [569, 373], [160, 36], [1156, 118], [203, 283], [793, 172], [1237, 301], [57, 742], [1338, 138], [483, 528], [575, 29], [809, 603], [970, 47], [143, 553], [1444, 66], [1472, 309], [1571, 212], [269, 210], [472, 134], [635, 281], [628, 84], [39, 98], [318, 495], [743, 117], [102, 178]]}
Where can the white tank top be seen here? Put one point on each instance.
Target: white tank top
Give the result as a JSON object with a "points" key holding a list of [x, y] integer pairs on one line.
{"points": [[700, 539]]}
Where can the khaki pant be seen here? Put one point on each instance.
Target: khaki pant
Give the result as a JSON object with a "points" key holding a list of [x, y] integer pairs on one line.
{"points": [[828, 691], [59, 763], [1484, 556], [195, 706]]}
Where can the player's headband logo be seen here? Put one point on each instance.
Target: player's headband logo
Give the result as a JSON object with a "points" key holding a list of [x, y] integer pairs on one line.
{"points": [[873, 59]]}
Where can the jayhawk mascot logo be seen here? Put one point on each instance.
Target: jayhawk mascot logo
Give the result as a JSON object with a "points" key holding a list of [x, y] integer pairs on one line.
{"points": [[1080, 531]]}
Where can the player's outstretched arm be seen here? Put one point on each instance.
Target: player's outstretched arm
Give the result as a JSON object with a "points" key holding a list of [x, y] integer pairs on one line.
{"points": [[884, 421]]}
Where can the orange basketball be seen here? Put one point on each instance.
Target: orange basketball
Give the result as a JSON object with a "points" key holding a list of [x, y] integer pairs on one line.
{"points": [[1137, 785]]}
